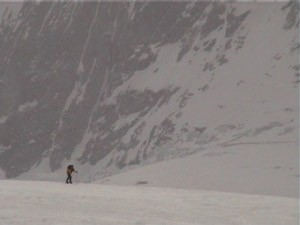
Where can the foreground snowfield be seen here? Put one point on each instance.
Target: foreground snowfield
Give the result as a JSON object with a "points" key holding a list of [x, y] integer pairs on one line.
{"points": [[42, 203], [243, 183]]}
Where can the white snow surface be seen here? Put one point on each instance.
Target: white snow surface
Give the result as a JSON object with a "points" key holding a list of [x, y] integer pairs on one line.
{"points": [[228, 169], [36, 203], [233, 168], [28, 105]]}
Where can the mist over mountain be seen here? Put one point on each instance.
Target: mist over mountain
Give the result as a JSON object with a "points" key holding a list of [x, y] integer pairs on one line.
{"points": [[110, 85]]}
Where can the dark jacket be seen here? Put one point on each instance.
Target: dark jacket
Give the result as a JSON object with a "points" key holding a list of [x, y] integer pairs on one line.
{"points": [[70, 170]]}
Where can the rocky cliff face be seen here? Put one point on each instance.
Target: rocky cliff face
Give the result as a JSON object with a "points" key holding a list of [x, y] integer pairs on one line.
{"points": [[109, 85]]}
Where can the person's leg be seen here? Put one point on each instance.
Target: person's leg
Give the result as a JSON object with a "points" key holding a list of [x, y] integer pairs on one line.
{"points": [[70, 179]]}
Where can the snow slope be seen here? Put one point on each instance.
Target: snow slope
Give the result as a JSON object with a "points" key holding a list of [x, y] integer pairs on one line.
{"points": [[231, 169], [36, 203], [263, 168]]}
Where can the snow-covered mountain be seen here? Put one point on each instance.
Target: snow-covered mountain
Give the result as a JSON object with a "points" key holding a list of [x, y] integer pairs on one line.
{"points": [[111, 85]]}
